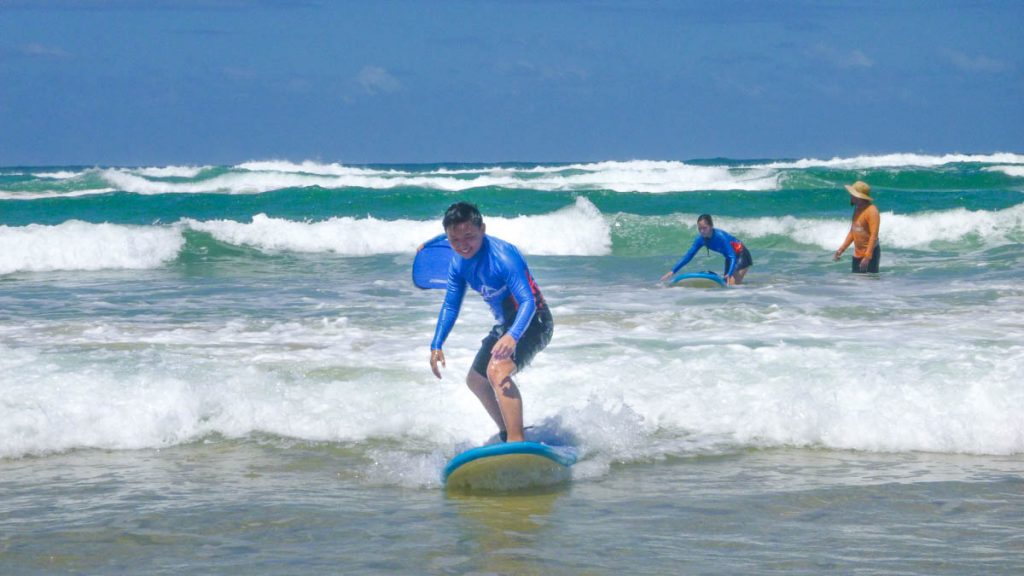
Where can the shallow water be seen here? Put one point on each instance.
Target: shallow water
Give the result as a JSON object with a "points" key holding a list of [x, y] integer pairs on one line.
{"points": [[300, 508]]}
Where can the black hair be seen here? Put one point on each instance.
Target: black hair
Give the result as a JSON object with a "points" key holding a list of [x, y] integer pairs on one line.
{"points": [[462, 212]]}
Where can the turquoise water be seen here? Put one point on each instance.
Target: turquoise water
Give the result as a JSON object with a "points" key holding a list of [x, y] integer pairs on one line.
{"points": [[224, 369]]}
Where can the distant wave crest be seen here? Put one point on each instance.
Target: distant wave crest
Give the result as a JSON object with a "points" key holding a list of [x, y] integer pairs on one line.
{"points": [[576, 230], [900, 161], [637, 176]]}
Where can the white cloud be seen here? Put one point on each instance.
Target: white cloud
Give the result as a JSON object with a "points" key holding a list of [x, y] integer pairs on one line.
{"points": [[857, 59], [843, 58], [555, 72], [375, 79], [966, 63], [42, 51]]}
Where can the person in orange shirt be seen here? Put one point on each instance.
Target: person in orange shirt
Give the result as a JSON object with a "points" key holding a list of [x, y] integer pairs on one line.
{"points": [[863, 231]]}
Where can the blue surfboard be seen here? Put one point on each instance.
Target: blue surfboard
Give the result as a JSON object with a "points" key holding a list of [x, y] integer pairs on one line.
{"points": [[508, 466], [699, 280], [430, 267]]}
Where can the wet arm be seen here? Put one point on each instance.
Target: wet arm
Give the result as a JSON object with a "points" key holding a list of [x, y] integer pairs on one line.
{"points": [[731, 258], [697, 242], [846, 244], [454, 293]]}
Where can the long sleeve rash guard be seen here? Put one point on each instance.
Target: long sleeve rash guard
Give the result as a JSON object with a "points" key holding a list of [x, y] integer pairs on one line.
{"points": [[721, 242], [499, 273], [863, 233]]}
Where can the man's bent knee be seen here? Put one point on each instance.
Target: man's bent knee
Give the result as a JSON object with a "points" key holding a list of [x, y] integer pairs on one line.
{"points": [[499, 373]]}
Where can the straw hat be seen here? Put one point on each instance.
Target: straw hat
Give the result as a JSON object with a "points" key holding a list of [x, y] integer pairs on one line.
{"points": [[860, 190]]}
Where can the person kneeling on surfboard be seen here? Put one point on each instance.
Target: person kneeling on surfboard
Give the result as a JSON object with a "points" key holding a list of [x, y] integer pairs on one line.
{"points": [[496, 270], [737, 257]]}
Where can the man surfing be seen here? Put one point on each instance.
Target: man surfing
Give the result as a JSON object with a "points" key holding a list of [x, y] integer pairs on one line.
{"points": [[496, 270]]}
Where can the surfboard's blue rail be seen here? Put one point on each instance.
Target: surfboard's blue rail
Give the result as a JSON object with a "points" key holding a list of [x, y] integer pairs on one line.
{"points": [[699, 277], [563, 455]]}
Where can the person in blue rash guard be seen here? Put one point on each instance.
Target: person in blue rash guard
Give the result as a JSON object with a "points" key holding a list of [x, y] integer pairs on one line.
{"points": [[737, 257], [496, 270]]}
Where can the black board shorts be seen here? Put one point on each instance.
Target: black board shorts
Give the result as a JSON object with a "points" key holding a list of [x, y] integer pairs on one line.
{"points": [[535, 339], [876, 256], [743, 260]]}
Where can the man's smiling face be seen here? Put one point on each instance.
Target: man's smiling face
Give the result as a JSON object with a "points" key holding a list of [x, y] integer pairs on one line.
{"points": [[466, 238]]}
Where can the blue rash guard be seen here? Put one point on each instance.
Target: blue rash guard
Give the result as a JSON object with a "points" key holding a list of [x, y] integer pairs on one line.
{"points": [[498, 272], [721, 242]]}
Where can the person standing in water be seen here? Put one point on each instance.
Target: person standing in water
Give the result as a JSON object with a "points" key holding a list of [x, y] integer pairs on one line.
{"points": [[863, 230], [737, 257], [496, 270]]}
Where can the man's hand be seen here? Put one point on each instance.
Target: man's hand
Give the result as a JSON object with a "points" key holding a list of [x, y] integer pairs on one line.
{"points": [[504, 348], [435, 357]]}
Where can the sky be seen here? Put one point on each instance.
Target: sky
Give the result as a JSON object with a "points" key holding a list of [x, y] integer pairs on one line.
{"points": [[201, 82]]}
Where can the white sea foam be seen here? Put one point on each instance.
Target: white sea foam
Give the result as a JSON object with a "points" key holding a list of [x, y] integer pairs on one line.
{"points": [[40, 194], [171, 171], [631, 377], [59, 175], [576, 230], [347, 236], [259, 182], [620, 176], [231, 183], [899, 160], [579, 229], [310, 167], [897, 231], [1014, 171], [660, 177], [75, 245], [631, 176]]}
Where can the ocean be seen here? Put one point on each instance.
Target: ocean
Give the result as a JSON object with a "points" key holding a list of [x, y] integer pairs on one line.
{"points": [[224, 370]]}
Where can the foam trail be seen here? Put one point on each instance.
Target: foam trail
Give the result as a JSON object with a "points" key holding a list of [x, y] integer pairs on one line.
{"points": [[76, 245]]}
